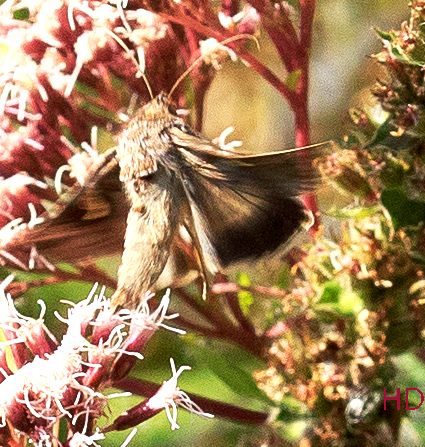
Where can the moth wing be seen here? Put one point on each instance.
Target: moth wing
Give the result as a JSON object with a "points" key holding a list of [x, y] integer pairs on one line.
{"points": [[88, 224], [243, 206]]}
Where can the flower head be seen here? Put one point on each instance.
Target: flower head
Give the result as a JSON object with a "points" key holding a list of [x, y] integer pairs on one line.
{"points": [[167, 398], [55, 381]]}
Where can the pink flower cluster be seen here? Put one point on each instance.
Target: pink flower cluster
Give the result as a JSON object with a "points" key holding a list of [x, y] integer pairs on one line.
{"points": [[53, 381], [63, 72]]}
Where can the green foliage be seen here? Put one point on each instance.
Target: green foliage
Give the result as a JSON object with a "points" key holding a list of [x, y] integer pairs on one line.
{"points": [[234, 376], [403, 212]]}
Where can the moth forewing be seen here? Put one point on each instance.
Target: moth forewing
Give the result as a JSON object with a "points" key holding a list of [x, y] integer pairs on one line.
{"points": [[199, 231], [88, 222]]}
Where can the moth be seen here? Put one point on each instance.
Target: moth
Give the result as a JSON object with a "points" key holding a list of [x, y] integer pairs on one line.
{"points": [[163, 176], [233, 206]]}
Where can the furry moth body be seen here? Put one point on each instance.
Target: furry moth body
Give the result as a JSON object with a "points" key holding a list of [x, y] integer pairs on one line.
{"points": [[233, 206]]}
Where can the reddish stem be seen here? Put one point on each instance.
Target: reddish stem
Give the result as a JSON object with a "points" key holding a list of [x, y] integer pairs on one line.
{"points": [[242, 334], [302, 122], [306, 23], [233, 302], [226, 287], [269, 76], [287, 49], [254, 63]]}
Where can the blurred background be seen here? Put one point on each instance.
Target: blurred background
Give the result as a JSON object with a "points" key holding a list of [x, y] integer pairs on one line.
{"points": [[342, 72]]}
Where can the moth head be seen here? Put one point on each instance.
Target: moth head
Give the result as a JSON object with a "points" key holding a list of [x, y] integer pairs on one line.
{"points": [[158, 109]]}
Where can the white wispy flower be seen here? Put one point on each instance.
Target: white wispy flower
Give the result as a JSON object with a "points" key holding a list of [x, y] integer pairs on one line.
{"points": [[215, 53], [169, 396]]}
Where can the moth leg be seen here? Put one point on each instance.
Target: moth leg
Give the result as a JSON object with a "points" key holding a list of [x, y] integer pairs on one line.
{"points": [[200, 259]]}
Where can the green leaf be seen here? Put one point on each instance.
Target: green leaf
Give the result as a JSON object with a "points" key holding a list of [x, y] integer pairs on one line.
{"points": [[283, 280], [382, 133], [245, 298], [402, 57], [331, 293], [237, 379], [292, 410], [401, 334], [21, 14], [393, 173], [327, 314], [293, 78], [389, 37], [357, 213], [337, 302], [243, 279], [410, 371], [350, 303], [403, 211]]}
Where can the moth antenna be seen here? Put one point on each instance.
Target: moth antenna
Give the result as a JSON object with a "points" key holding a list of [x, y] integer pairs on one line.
{"points": [[203, 56], [140, 69]]}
